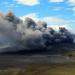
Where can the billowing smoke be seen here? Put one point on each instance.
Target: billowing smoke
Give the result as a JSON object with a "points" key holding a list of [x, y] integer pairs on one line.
{"points": [[16, 34]]}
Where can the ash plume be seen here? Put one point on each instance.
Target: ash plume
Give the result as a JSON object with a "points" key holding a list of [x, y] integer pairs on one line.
{"points": [[16, 34]]}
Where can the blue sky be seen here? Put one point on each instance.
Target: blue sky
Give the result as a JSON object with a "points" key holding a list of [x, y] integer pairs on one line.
{"points": [[55, 12]]}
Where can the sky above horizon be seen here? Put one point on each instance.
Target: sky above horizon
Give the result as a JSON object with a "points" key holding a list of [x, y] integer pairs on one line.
{"points": [[54, 12]]}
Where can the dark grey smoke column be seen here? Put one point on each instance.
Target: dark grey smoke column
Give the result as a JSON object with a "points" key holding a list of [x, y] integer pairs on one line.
{"points": [[30, 23], [28, 34]]}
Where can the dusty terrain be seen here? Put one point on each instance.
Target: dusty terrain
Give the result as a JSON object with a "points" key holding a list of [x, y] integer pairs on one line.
{"points": [[36, 65], [33, 59]]}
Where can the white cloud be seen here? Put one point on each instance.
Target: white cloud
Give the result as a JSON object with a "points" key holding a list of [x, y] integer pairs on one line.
{"points": [[28, 2], [52, 21], [34, 16], [56, 22], [71, 2], [56, 1], [73, 8], [57, 8]]}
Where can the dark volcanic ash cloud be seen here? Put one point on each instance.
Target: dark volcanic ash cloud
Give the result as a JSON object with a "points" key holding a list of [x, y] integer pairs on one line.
{"points": [[28, 34]]}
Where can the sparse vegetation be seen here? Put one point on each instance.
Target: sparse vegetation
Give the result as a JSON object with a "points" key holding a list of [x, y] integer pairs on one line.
{"points": [[41, 69], [70, 54]]}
